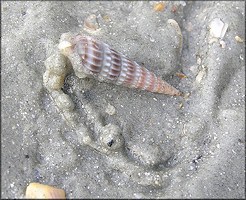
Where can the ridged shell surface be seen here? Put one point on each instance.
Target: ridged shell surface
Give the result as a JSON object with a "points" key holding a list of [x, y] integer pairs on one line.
{"points": [[96, 59]]}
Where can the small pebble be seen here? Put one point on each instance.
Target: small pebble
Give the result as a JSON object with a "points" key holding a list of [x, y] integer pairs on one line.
{"points": [[174, 8], [199, 76], [110, 110], [107, 18], [198, 60], [223, 44]]}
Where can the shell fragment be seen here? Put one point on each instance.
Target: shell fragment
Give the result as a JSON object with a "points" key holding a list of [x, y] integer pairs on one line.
{"points": [[41, 191], [218, 28]]}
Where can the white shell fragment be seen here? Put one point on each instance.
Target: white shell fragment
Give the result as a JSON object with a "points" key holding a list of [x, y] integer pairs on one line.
{"points": [[223, 44], [91, 25], [200, 76], [179, 32], [218, 28], [198, 60], [110, 109]]}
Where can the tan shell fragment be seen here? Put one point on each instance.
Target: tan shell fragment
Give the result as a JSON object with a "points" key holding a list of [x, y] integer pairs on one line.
{"points": [[41, 191], [107, 18], [238, 39], [158, 6], [95, 59]]}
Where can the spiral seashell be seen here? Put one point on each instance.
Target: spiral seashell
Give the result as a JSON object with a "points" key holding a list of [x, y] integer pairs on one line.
{"points": [[95, 59]]}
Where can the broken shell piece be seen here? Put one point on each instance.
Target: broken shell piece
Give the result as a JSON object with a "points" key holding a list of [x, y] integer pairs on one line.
{"points": [[181, 75], [178, 30], [199, 76], [107, 18], [91, 24], [158, 6], [186, 95], [218, 28], [41, 191], [238, 39], [198, 60]]}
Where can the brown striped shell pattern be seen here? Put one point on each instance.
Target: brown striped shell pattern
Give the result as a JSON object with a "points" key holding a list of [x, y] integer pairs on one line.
{"points": [[95, 59]]}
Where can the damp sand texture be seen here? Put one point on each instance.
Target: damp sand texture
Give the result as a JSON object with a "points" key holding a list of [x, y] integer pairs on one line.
{"points": [[146, 145]]}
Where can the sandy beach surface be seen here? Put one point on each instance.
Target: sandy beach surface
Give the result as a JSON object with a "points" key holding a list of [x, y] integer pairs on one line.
{"points": [[163, 146]]}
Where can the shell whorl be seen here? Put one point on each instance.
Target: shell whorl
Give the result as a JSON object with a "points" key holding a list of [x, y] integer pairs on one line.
{"points": [[96, 59]]}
